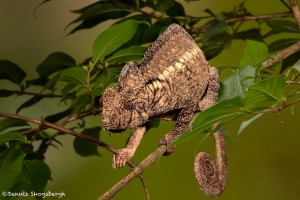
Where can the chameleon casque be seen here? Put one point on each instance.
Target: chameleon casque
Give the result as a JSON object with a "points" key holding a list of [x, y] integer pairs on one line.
{"points": [[173, 82]]}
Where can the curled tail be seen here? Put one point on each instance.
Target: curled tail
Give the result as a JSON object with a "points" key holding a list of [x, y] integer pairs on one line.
{"points": [[211, 175]]}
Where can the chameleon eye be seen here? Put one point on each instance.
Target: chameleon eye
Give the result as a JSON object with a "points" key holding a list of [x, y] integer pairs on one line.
{"points": [[118, 88]]}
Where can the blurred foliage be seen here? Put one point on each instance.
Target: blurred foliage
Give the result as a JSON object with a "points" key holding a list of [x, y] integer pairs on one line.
{"points": [[245, 91]]}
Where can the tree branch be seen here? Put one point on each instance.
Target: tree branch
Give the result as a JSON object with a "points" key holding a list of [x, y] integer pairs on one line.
{"points": [[257, 17], [245, 18], [294, 48], [60, 128], [43, 123], [92, 111], [296, 11], [134, 173]]}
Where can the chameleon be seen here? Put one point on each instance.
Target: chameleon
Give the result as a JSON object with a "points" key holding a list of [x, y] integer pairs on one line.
{"points": [[173, 82]]}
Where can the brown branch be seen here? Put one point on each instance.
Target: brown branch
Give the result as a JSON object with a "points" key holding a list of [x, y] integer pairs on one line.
{"points": [[134, 173], [257, 17], [277, 109], [294, 48], [245, 18], [59, 128], [296, 11], [43, 124], [92, 111], [293, 82]]}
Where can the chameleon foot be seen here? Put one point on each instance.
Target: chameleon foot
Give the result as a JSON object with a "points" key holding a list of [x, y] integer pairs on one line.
{"points": [[120, 159], [165, 141]]}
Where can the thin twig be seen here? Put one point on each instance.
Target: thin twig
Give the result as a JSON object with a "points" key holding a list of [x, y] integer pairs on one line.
{"points": [[44, 124], [134, 173], [296, 11], [257, 17], [277, 109], [92, 111], [59, 128], [293, 82], [294, 48], [245, 18], [88, 86]]}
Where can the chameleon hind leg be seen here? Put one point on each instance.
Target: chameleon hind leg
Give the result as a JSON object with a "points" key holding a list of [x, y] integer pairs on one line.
{"points": [[182, 122], [186, 114]]}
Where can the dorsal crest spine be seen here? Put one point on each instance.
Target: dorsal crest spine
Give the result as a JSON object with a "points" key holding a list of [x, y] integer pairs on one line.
{"points": [[167, 35]]}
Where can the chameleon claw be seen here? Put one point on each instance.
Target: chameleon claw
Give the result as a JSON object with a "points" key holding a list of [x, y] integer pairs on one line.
{"points": [[166, 141], [119, 160]]}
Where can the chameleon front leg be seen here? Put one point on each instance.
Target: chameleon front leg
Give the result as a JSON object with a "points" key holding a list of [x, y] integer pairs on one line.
{"points": [[125, 154]]}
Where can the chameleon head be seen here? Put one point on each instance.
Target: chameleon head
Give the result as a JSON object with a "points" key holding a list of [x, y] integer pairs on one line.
{"points": [[118, 111]]}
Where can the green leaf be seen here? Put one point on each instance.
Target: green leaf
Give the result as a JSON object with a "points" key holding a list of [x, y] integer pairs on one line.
{"points": [[99, 12], [16, 136], [282, 43], [216, 31], [134, 53], [11, 71], [6, 93], [254, 54], [10, 166], [152, 32], [107, 76], [51, 83], [236, 84], [75, 75], [265, 92], [40, 81], [80, 103], [37, 174], [30, 102], [68, 90], [224, 111], [9, 123], [164, 5], [297, 66], [55, 62], [212, 48], [176, 10], [246, 123], [85, 148], [290, 61], [58, 116], [251, 34], [113, 38], [279, 26], [100, 17], [138, 17]]}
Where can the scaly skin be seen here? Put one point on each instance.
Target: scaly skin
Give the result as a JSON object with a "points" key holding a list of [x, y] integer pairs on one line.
{"points": [[173, 81]]}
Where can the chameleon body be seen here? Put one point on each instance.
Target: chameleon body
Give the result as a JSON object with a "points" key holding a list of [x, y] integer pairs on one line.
{"points": [[173, 81]]}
